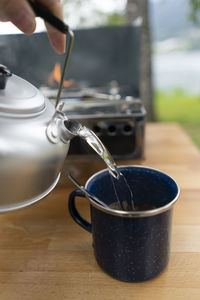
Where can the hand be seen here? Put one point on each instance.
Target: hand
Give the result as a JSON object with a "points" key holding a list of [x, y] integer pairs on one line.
{"points": [[20, 13]]}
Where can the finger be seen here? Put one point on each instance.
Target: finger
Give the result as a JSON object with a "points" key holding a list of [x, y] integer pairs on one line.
{"points": [[19, 13], [57, 39]]}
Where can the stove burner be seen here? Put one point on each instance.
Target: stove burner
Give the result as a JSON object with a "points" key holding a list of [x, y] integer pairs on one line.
{"points": [[83, 90]]}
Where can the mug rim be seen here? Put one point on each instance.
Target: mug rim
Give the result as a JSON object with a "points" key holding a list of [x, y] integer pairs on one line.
{"points": [[138, 213]]}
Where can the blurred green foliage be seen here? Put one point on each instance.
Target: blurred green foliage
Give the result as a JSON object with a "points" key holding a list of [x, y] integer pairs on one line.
{"points": [[115, 19], [194, 10], [100, 18], [178, 106]]}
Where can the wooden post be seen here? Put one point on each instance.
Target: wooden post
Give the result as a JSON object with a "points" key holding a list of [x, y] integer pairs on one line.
{"points": [[139, 9]]}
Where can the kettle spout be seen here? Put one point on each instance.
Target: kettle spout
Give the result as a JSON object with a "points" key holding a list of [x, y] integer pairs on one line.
{"points": [[61, 128], [69, 129]]}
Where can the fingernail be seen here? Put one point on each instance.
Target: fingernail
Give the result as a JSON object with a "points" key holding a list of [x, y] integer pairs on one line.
{"points": [[58, 41], [25, 22]]}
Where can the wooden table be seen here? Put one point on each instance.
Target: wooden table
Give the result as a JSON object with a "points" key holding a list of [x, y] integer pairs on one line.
{"points": [[45, 255]]}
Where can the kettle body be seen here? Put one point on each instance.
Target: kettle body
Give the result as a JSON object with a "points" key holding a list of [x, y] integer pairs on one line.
{"points": [[30, 163]]}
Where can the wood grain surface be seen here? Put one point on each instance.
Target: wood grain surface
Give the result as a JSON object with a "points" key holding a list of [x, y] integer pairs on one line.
{"points": [[44, 255]]}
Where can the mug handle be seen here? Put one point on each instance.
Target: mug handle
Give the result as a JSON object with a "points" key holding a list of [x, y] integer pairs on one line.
{"points": [[74, 212]]}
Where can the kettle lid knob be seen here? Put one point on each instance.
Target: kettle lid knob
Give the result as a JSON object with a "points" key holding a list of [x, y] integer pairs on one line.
{"points": [[4, 74]]}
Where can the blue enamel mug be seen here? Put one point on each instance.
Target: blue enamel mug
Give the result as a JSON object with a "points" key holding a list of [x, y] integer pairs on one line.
{"points": [[130, 246]]}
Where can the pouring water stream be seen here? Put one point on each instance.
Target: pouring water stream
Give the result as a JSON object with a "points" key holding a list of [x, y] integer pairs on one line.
{"points": [[118, 180]]}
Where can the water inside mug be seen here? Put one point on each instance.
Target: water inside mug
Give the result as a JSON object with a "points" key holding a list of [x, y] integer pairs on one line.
{"points": [[141, 207]]}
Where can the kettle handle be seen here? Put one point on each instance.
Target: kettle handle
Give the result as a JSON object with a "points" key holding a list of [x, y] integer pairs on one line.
{"points": [[71, 39], [45, 14], [42, 12]]}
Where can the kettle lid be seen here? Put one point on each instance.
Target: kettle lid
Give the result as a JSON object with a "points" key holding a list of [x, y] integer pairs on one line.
{"points": [[18, 96]]}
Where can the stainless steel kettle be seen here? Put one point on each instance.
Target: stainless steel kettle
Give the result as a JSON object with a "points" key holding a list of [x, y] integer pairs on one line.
{"points": [[33, 142]]}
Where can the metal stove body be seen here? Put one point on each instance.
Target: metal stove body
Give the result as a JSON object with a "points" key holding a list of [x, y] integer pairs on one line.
{"points": [[118, 121]]}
